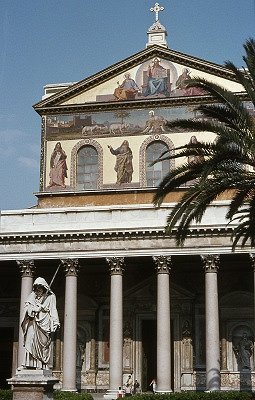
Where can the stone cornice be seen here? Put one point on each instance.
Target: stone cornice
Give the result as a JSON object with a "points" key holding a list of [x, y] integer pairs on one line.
{"points": [[73, 236], [135, 104], [109, 231]]}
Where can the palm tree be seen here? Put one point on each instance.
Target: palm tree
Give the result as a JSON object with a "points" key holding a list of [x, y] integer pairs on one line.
{"points": [[122, 115], [226, 164]]}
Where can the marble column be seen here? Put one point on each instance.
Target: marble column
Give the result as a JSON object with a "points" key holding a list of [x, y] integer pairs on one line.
{"points": [[211, 265], [163, 325], [116, 265], [27, 269], [71, 267]]}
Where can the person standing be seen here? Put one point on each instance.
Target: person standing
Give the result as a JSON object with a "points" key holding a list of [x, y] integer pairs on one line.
{"points": [[153, 385], [136, 387], [129, 386]]}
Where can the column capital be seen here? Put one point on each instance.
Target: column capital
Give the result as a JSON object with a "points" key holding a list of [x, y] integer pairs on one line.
{"points": [[210, 262], [27, 268], [163, 264], [71, 266], [116, 265], [252, 258]]}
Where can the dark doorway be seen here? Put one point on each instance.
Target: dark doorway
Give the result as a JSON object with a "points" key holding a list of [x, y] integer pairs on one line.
{"points": [[6, 346], [149, 343]]}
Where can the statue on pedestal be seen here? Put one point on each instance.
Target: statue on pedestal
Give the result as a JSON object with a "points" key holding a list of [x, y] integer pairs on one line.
{"points": [[40, 321], [243, 352]]}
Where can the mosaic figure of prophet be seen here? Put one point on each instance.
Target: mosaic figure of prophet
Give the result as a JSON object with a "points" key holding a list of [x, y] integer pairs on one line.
{"points": [[58, 167], [124, 163]]}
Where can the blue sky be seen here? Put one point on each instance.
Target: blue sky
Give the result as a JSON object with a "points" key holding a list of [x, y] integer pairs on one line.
{"points": [[54, 41]]}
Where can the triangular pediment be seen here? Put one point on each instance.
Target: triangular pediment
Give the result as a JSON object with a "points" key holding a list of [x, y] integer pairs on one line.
{"points": [[131, 80], [147, 289]]}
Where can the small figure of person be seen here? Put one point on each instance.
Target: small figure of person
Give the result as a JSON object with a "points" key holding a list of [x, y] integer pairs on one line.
{"points": [[157, 79], [120, 393], [129, 386], [153, 385], [127, 90], [124, 164], [243, 352], [39, 322], [58, 167], [136, 387]]}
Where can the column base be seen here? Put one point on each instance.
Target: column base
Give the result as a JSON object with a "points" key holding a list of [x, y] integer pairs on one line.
{"points": [[164, 391], [34, 384]]}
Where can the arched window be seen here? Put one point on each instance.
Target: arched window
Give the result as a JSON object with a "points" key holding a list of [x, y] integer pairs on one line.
{"points": [[156, 172], [87, 168]]}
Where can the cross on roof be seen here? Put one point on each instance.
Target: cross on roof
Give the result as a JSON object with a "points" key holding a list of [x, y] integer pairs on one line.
{"points": [[157, 8]]}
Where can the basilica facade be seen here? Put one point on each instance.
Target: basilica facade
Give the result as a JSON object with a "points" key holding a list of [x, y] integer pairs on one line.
{"points": [[130, 301]]}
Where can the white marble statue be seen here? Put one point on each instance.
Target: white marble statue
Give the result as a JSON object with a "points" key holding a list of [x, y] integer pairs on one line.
{"points": [[39, 322]]}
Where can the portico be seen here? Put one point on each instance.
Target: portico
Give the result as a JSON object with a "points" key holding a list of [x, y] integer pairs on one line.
{"points": [[121, 288]]}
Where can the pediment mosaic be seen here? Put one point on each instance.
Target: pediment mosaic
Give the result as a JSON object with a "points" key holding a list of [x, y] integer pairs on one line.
{"points": [[156, 78], [153, 73]]}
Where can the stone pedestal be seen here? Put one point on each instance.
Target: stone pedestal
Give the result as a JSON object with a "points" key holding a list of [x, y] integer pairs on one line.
{"points": [[32, 384]]}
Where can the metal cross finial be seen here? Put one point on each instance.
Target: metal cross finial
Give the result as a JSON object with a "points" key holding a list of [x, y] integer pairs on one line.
{"points": [[157, 8]]}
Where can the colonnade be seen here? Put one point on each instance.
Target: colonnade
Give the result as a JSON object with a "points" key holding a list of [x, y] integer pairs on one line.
{"points": [[116, 269]]}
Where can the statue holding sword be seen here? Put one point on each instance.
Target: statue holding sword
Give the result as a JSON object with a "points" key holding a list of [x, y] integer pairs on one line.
{"points": [[38, 324]]}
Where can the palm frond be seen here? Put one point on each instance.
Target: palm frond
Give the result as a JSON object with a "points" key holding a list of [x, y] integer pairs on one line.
{"points": [[227, 163]]}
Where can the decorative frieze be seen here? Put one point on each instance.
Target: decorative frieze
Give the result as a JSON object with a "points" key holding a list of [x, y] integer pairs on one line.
{"points": [[27, 268], [71, 266], [116, 265], [210, 262], [162, 264]]}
